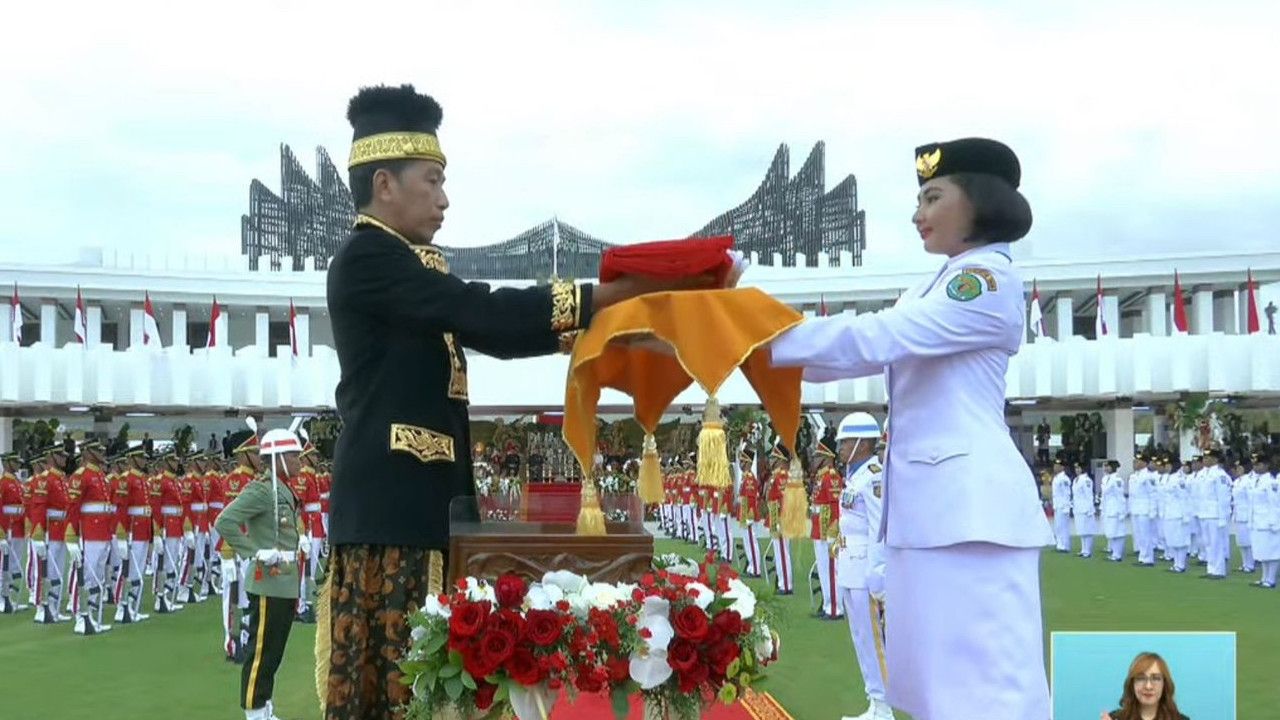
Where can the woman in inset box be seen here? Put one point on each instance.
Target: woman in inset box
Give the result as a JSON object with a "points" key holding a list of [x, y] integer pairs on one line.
{"points": [[1148, 692]]}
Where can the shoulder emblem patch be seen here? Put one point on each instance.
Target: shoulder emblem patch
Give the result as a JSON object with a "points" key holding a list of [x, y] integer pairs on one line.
{"points": [[964, 287], [876, 489], [874, 468], [985, 274]]}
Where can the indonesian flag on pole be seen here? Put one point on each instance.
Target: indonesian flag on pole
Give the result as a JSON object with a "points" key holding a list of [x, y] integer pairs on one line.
{"points": [[150, 328], [1099, 323], [1179, 310], [1037, 316], [1251, 319], [215, 315], [293, 330], [81, 319], [15, 317]]}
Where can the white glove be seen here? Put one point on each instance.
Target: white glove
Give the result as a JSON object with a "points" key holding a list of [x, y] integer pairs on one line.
{"points": [[268, 557], [324, 548], [4, 547], [122, 548], [74, 553], [189, 539], [157, 545], [304, 544], [229, 570], [39, 548], [875, 586]]}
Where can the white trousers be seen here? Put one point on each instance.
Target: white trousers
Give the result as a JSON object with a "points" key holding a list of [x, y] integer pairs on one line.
{"points": [[964, 632], [1062, 529], [751, 549], [826, 577], [56, 570], [782, 565], [97, 555], [867, 629], [14, 566]]}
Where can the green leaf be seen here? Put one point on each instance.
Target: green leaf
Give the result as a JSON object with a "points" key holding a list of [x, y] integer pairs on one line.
{"points": [[453, 687], [450, 670], [503, 692], [467, 681], [430, 675], [621, 700], [435, 642]]}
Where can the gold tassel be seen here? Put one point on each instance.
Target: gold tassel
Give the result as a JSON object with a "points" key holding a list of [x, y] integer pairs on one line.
{"points": [[590, 516], [323, 641], [795, 504], [713, 450], [650, 485]]}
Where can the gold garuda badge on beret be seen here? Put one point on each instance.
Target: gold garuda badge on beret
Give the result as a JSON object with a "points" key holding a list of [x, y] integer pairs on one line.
{"points": [[927, 163]]}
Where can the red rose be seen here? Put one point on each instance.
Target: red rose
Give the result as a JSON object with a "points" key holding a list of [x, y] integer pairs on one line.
{"points": [[497, 646], [721, 655], [542, 627], [476, 664], [619, 669], [468, 618], [729, 622], [484, 694], [605, 626], [510, 591], [508, 621], [590, 679], [682, 655], [523, 667], [691, 623], [691, 679], [714, 635]]}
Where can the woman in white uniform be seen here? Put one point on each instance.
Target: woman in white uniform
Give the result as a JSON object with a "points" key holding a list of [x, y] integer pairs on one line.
{"points": [[963, 527]]}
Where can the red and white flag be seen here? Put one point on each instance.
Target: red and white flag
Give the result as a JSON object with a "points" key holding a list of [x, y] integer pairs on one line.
{"points": [[1099, 322], [1253, 325], [215, 316], [81, 319], [1038, 329], [150, 328], [293, 330], [1179, 309], [15, 317]]}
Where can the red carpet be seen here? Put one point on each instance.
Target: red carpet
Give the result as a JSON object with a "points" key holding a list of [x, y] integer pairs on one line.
{"points": [[754, 706]]}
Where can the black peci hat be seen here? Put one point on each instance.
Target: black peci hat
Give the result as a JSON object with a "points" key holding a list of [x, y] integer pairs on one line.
{"points": [[393, 123], [969, 155]]}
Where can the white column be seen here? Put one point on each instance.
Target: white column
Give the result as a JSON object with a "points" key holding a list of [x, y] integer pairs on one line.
{"points": [[1111, 314], [135, 326], [6, 434], [5, 328], [179, 326], [1154, 315], [303, 324], [93, 317], [1120, 435], [1201, 312], [122, 332], [1064, 311], [49, 323], [261, 334]]}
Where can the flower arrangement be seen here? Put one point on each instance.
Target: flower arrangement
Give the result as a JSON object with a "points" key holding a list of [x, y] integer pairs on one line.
{"points": [[616, 483], [680, 641]]}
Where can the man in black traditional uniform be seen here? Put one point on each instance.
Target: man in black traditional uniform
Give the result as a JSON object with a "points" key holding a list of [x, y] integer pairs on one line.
{"points": [[400, 323]]}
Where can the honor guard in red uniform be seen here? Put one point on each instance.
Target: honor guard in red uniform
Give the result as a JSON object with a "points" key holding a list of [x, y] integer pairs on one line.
{"points": [[215, 494], [52, 506], [195, 535], [13, 535], [173, 520], [139, 534], [688, 494], [235, 598], [749, 512], [779, 546], [95, 512], [312, 541], [118, 550], [824, 509]]}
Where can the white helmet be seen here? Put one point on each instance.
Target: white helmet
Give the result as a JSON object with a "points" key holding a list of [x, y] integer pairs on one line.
{"points": [[279, 442], [858, 425]]}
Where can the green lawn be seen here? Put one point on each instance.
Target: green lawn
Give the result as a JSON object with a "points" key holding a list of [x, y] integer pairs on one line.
{"points": [[171, 667]]}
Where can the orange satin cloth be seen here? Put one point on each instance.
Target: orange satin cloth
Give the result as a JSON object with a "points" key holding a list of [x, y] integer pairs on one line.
{"points": [[711, 332]]}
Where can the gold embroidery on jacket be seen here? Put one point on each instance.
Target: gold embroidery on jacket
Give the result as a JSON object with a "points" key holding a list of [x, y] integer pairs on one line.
{"points": [[457, 370], [425, 445], [566, 298]]}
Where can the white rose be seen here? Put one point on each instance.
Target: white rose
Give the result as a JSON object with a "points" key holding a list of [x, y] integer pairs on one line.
{"points": [[566, 581], [701, 594], [744, 600], [433, 606], [602, 596], [764, 646]]}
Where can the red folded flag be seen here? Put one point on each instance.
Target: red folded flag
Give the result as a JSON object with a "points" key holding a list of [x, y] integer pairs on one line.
{"points": [[670, 259]]}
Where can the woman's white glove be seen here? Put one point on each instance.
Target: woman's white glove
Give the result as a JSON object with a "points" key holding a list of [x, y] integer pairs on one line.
{"points": [[189, 538], [304, 544], [268, 557]]}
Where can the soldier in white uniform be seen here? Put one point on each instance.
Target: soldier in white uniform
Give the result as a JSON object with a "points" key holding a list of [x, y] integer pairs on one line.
{"points": [[1142, 510], [860, 555], [1241, 496], [1114, 511], [1265, 523], [1159, 479], [1084, 510], [1221, 484], [1175, 510], [1061, 506], [1198, 537], [963, 524], [1208, 513]]}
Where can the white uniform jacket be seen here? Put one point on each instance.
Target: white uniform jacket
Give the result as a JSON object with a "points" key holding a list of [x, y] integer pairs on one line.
{"points": [[1062, 494], [1140, 500], [860, 563], [952, 473], [1241, 494], [1082, 496]]}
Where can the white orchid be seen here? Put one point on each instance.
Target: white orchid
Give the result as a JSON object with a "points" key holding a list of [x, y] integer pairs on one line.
{"points": [[764, 646], [744, 600], [566, 581], [649, 665], [543, 597], [478, 591], [603, 596], [433, 606], [531, 703], [701, 594]]}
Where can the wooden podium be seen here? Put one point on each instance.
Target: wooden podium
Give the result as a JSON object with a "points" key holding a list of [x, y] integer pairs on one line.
{"points": [[487, 549]]}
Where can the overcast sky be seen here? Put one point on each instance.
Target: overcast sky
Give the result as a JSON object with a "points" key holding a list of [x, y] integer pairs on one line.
{"points": [[1141, 126]]}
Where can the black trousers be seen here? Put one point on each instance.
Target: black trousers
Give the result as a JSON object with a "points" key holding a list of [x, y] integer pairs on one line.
{"points": [[270, 620]]}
